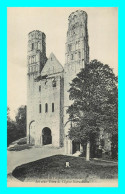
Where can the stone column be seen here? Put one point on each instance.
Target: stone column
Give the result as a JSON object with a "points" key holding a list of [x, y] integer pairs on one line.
{"points": [[66, 145], [70, 146], [88, 151]]}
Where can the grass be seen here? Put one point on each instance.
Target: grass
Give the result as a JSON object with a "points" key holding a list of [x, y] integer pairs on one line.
{"points": [[53, 168]]}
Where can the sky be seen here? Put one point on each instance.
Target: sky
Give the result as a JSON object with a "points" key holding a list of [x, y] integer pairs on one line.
{"points": [[103, 41]]}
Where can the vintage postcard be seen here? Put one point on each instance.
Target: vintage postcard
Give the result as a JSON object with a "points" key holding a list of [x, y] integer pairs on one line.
{"points": [[62, 108]]}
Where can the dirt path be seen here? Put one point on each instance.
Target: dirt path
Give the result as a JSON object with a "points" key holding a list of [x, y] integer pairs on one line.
{"points": [[16, 158]]}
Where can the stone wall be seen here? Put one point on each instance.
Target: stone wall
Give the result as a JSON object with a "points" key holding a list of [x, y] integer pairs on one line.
{"points": [[52, 120]]}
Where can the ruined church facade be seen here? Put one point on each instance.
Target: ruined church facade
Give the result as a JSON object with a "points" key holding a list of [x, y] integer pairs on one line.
{"points": [[48, 83]]}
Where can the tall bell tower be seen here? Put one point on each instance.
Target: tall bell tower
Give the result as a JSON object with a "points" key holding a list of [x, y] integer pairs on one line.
{"points": [[36, 59], [77, 49], [36, 52], [76, 55]]}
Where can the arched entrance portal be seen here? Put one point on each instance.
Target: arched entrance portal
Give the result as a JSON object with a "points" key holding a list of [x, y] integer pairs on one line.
{"points": [[46, 135], [75, 146]]}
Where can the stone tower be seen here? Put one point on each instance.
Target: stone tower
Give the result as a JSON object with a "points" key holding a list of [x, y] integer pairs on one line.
{"points": [[77, 49], [36, 59], [76, 56], [36, 52], [45, 94]]}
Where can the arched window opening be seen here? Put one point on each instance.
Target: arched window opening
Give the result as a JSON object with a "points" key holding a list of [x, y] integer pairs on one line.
{"points": [[39, 88], [32, 46], [69, 47], [39, 45], [79, 55], [46, 107], [52, 107], [40, 108]]}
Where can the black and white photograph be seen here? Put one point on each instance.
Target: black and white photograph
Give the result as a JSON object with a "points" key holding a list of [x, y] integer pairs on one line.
{"points": [[62, 97]]}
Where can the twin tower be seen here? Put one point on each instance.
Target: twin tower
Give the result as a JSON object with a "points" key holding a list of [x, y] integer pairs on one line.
{"points": [[48, 83]]}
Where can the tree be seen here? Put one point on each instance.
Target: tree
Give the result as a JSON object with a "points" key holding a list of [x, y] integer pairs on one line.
{"points": [[94, 94], [16, 129], [11, 128], [21, 121]]}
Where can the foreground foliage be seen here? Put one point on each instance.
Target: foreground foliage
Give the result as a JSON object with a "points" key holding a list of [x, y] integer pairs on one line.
{"points": [[94, 95]]}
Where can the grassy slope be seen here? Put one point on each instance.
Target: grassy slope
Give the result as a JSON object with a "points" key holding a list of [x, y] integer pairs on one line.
{"points": [[53, 168]]}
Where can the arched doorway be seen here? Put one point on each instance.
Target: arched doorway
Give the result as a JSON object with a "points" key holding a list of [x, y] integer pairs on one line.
{"points": [[75, 146], [46, 136]]}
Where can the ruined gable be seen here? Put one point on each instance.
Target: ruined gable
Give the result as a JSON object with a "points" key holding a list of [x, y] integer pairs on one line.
{"points": [[52, 66]]}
